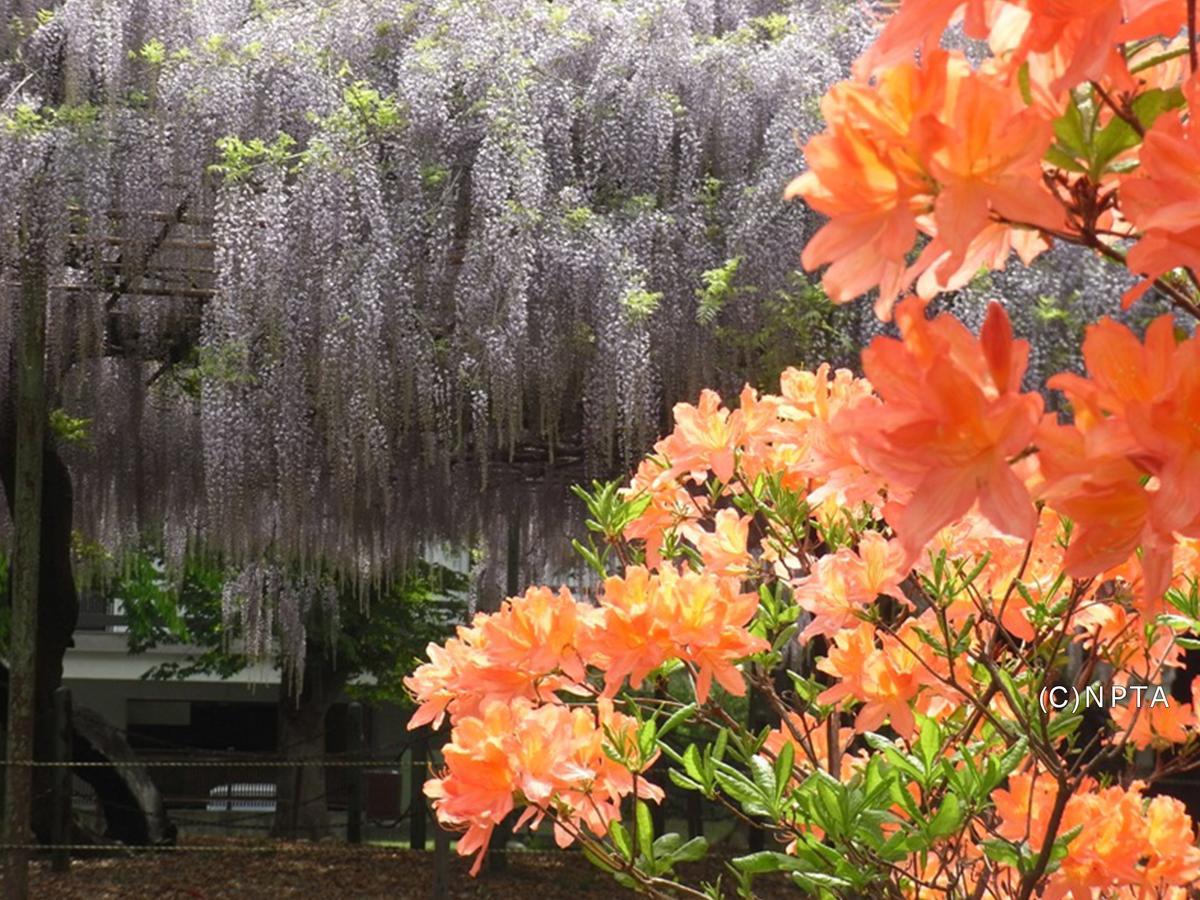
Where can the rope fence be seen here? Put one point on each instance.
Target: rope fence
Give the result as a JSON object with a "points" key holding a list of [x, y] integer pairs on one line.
{"points": [[203, 810], [203, 763], [200, 814]]}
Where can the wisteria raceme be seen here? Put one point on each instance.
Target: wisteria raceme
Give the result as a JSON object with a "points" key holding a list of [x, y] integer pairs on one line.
{"points": [[269, 606]]}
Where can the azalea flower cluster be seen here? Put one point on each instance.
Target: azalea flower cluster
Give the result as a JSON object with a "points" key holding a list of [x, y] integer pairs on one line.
{"points": [[949, 460], [1145, 845], [502, 682], [988, 159]]}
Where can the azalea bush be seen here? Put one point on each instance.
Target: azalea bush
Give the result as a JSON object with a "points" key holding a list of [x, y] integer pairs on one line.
{"points": [[909, 569]]}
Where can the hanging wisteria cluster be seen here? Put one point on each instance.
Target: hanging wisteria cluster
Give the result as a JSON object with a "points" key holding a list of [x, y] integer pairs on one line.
{"points": [[269, 606], [322, 272]]}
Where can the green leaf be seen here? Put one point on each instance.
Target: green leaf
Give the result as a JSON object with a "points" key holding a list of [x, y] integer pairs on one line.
{"points": [[764, 777], [596, 860], [783, 769], [1012, 758], [900, 794], [1064, 726], [693, 764], [1060, 158], [929, 742], [811, 880], [1062, 844], [743, 791], [666, 845], [719, 745], [947, 819], [676, 719], [691, 851], [1003, 852], [1112, 140], [681, 780], [1151, 104], [764, 862], [646, 739], [619, 835], [645, 829], [1024, 84], [831, 800]]}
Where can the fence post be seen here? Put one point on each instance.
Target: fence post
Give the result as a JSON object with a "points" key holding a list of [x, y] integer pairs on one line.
{"points": [[441, 863], [354, 799], [497, 855], [416, 806], [3, 776], [60, 823], [227, 820], [695, 815]]}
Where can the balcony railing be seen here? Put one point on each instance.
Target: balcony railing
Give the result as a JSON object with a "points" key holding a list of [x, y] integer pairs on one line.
{"points": [[98, 613]]}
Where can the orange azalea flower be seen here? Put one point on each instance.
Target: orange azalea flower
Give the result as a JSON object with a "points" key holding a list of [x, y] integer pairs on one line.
{"points": [[670, 506], [841, 584], [549, 757], [435, 684], [528, 648], [650, 618], [1123, 842], [1161, 197], [538, 632], [1174, 858], [971, 538], [594, 797], [1128, 471], [705, 438], [952, 417], [939, 147], [1157, 725], [1080, 37], [886, 678], [864, 174], [920, 23], [477, 791], [1081, 33], [989, 249], [1101, 491], [984, 152], [724, 548], [828, 461]]}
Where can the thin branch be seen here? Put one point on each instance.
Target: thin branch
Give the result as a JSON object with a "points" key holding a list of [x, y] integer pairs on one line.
{"points": [[1034, 875], [16, 90], [1191, 29], [1121, 112]]}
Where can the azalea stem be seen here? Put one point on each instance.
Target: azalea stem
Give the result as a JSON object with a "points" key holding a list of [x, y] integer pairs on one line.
{"points": [[1191, 29], [1089, 239], [1030, 881], [1174, 294], [1120, 111]]}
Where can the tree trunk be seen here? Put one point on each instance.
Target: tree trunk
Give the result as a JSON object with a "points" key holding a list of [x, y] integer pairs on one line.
{"points": [[301, 808], [58, 603]]}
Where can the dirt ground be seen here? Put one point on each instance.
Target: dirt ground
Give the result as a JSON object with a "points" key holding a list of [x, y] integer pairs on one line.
{"points": [[229, 870]]}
